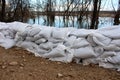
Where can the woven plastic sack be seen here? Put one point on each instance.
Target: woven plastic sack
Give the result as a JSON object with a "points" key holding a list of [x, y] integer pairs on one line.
{"points": [[84, 52], [7, 43], [59, 51]]}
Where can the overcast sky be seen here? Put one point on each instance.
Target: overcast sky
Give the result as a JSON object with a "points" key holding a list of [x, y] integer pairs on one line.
{"points": [[109, 4], [106, 4]]}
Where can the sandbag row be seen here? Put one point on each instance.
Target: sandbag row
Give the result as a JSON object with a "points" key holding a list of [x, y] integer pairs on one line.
{"points": [[101, 46]]}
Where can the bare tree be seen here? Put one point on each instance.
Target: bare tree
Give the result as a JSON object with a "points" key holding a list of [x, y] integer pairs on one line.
{"points": [[2, 15], [49, 9], [81, 6], [117, 15], [70, 7], [83, 13], [95, 14], [19, 10]]}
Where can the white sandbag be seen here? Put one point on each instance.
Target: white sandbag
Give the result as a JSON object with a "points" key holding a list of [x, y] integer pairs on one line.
{"points": [[80, 42], [67, 58], [34, 31], [41, 52], [2, 36], [8, 33], [22, 34], [111, 32], [17, 26], [101, 40], [106, 65], [5, 32], [37, 25], [84, 52], [112, 47], [31, 47], [81, 32], [27, 30], [59, 33], [30, 39], [116, 42], [27, 45], [34, 52], [108, 54], [109, 65], [115, 59], [37, 36], [46, 32], [88, 61], [70, 41], [47, 45], [7, 43], [41, 40], [18, 37], [90, 40], [59, 51], [55, 40], [98, 50]]}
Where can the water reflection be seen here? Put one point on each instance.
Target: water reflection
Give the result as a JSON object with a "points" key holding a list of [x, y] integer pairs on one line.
{"points": [[105, 22], [70, 21]]}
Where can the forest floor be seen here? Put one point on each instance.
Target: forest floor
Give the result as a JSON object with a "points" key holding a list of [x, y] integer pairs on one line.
{"points": [[19, 64]]}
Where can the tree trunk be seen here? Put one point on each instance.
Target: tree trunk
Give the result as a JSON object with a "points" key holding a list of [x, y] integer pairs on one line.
{"points": [[3, 11], [95, 15], [117, 15]]}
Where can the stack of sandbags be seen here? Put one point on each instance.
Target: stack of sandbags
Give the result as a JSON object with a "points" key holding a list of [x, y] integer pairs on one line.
{"points": [[8, 33], [101, 46], [45, 41], [6, 36], [78, 42], [58, 44], [111, 56]]}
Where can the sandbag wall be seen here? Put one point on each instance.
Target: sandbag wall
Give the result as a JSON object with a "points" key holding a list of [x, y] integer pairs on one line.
{"points": [[101, 46]]}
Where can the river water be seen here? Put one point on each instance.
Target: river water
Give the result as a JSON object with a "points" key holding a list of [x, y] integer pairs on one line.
{"points": [[59, 21]]}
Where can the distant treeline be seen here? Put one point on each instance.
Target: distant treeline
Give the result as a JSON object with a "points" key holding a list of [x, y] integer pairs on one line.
{"points": [[75, 13], [22, 10]]}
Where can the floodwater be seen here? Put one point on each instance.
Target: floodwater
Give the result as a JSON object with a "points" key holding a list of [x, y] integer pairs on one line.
{"points": [[71, 21]]}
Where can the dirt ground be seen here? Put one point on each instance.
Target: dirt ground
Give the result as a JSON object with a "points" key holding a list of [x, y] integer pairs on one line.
{"points": [[18, 64]]}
